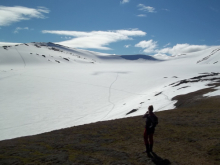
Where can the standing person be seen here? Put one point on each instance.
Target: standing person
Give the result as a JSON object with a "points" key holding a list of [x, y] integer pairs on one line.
{"points": [[151, 122]]}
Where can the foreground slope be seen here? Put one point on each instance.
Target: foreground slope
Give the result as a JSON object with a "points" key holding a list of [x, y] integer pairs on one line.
{"points": [[45, 86], [187, 135]]}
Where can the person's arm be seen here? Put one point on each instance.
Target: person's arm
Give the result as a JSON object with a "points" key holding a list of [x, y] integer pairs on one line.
{"points": [[145, 115]]}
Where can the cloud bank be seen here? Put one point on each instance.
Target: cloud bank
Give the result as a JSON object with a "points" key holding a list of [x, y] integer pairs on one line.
{"points": [[7, 43], [96, 39], [9, 15], [182, 48], [101, 39], [151, 46]]}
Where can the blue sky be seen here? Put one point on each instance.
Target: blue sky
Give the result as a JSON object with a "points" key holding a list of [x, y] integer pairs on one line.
{"points": [[114, 26]]}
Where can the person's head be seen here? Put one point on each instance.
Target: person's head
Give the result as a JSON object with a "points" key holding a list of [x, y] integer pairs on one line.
{"points": [[150, 108]]}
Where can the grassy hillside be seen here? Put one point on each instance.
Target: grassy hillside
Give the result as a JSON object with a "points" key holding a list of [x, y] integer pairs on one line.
{"points": [[189, 134]]}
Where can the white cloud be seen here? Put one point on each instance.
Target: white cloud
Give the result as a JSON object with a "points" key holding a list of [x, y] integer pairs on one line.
{"points": [[127, 46], [146, 8], [7, 43], [142, 15], [166, 45], [9, 15], [182, 48], [19, 28], [148, 46], [124, 1], [96, 39]]}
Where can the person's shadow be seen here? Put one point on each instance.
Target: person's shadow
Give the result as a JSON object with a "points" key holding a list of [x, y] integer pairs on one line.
{"points": [[158, 160]]}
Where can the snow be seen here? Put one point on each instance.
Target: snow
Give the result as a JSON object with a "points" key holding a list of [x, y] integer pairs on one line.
{"points": [[45, 86], [215, 93], [7, 43]]}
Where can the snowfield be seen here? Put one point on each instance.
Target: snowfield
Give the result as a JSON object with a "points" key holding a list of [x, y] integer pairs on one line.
{"points": [[45, 86]]}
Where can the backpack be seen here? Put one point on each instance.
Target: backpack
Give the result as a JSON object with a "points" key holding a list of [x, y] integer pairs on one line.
{"points": [[153, 120]]}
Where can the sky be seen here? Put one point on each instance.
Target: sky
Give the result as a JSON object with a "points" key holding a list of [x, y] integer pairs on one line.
{"points": [[123, 27]]}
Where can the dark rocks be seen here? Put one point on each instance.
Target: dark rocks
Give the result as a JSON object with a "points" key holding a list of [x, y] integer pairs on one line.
{"points": [[158, 94], [132, 111], [183, 87], [66, 59], [207, 57], [197, 79]]}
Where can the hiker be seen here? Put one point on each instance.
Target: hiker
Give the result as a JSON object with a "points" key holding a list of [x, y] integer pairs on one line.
{"points": [[151, 122]]}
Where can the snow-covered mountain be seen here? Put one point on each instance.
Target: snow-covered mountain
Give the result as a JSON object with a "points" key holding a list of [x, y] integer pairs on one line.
{"points": [[46, 86]]}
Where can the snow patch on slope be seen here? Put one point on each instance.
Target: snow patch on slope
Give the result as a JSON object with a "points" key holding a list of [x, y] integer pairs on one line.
{"points": [[45, 86]]}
